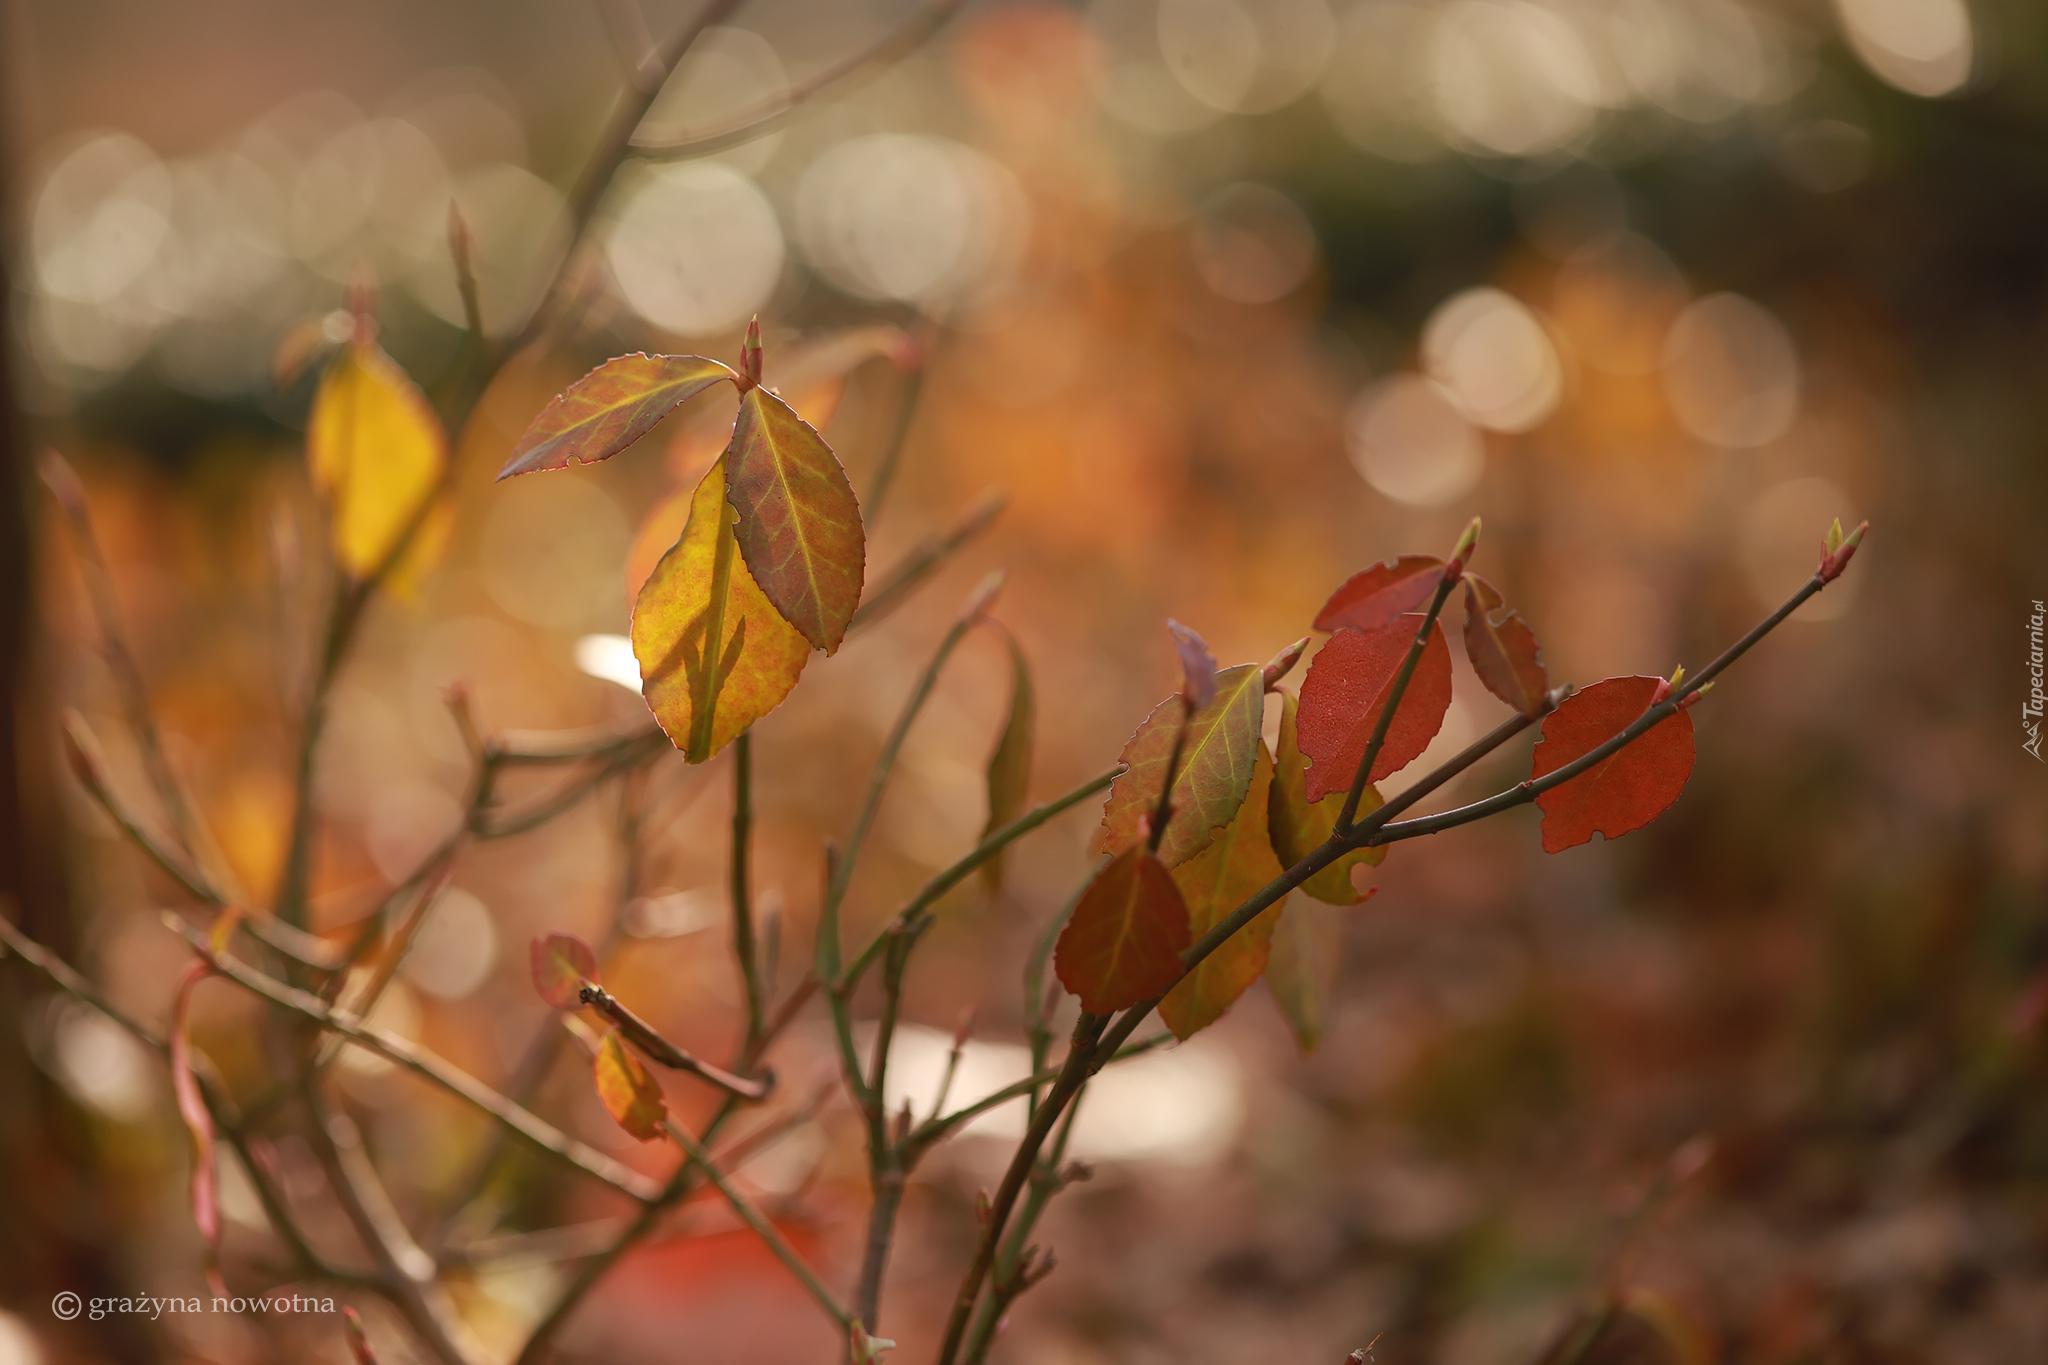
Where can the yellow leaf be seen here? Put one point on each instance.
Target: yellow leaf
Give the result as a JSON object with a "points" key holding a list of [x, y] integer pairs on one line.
{"points": [[1307, 955], [629, 1094], [701, 591], [1238, 862], [377, 453], [1298, 826]]}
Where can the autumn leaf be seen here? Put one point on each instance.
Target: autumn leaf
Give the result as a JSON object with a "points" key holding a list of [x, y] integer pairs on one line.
{"points": [[1376, 596], [1235, 865], [1630, 787], [628, 1092], [799, 523], [1502, 648], [198, 1123], [1298, 826], [1009, 767], [377, 453], [1345, 691], [1302, 970], [1215, 768], [562, 964], [610, 408], [1124, 940], [690, 596]]}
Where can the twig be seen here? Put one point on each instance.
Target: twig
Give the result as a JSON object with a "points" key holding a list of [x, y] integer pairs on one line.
{"points": [[743, 949], [435, 1068], [763, 117], [650, 1044]]}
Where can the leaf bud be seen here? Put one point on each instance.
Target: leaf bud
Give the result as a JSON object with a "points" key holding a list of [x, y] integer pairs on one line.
{"points": [[1461, 552], [984, 595], [358, 1339], [963, 1030], [1833, 561], [983, 1209], [750, 356], [1283, 663]]}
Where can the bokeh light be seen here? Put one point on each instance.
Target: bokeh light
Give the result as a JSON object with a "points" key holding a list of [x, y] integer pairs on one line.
{"points": [[1731, 372], [697, 248], [1409, 441], [1251, 244], [896, 216], [1494, 358], [1924, 47]]}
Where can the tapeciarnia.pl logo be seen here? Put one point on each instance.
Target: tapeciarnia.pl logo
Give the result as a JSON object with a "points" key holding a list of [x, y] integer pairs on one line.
{"points": [[2031, 709]]}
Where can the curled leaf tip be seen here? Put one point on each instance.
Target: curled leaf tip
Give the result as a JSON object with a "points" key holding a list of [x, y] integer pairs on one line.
{"points": [[1283, 663], [1197, 666]]}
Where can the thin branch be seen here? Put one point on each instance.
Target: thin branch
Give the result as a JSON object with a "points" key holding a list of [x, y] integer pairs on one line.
{"points": [[766, 115], [743, 949], [647, 1041], [530, 1126], [762, 1228]]}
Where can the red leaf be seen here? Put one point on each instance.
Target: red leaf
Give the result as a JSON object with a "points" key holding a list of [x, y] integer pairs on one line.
{"points": [[1345, 691], [1502, 648], [629, 1094], [1124, 941], [1374, 597], [562, 963], [610, 408], [1214, 774], [799, 523], [198, 1122], [1632, 786], [1297, 827]]}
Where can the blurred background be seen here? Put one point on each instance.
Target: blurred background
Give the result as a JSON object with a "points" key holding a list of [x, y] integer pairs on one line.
{"points": [[1230, 298]]}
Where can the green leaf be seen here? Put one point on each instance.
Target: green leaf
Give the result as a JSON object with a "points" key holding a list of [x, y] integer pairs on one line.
{"points": [[1126, 936], [629, 1094], [1299, 826], [1236, 864], [610, 408], [1215, 768], [799, 523], [1009, 767], [377, 452], [696, 594], [1302, 972]]}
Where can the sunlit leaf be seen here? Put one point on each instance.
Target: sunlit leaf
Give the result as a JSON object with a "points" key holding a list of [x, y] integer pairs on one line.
{"points": [[1306, 960], [1299, 826], [1502, 648], [562, 965], [610, 408], [1630, 787], [205, 1191], [628, 1093], [659, 530], [1237, 863], [1215, 768], [758, 657], [1009, 767], [799, 523], [377, 453], [1374, 597], [1346, 689], [1124, 941]]}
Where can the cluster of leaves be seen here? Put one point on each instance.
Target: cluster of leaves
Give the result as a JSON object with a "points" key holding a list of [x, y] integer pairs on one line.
{"points": [[1234, 814]]}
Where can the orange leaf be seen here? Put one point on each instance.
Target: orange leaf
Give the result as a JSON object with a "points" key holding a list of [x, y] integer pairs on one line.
{"points": [[562, 965], [1347, 687], [1215, 768], [702, 697], [1502, 648], [629, 1094], [1376, 596], [1212, 884], [1124, 940], [799, 523], [1630, 787], [1298, 826], [610, 408], [198, 1122], [377, 452]]}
